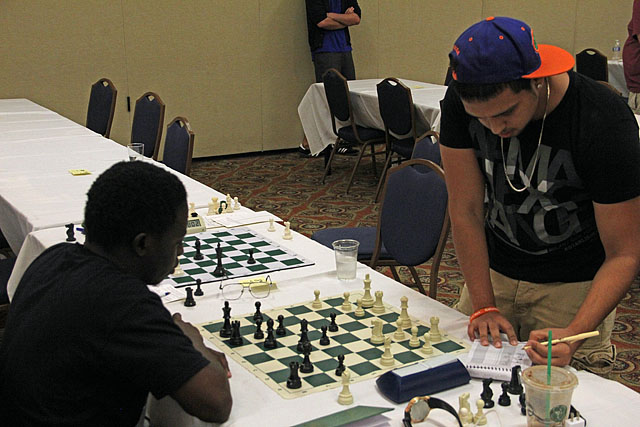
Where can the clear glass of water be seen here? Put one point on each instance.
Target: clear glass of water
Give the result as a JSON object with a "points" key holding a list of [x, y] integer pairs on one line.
{"points": [[346, 252], [135, 151]]}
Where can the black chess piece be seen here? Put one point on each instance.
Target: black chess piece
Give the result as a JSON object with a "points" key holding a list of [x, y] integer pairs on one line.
{"points": [[236, 338], [281, 330], [523, 403], [189, 301], [225, 332], [270, 341], [340, 369], [70, 233], [333, 327], [257, 315], [294, 379], [515, 386], [198, 256], [258, 334], [251, 260], [324, 339], [487, 393], [198, 291], [220, 208], [304, 337], [307, 366], [219, 271], [504, 399]]}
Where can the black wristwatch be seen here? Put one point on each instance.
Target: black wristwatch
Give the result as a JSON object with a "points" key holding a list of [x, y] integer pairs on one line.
{"points": [[419, 407]]}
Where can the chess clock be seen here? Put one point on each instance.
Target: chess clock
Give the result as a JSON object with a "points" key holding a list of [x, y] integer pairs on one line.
{"points": [[195, 224]]}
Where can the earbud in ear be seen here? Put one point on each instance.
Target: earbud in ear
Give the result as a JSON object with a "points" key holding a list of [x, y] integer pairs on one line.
{"points": [[539, 85]]}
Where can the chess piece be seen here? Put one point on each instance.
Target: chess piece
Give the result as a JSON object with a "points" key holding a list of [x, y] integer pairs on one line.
{"points": [[316, 304], [222, 209], [281, 330], [515, 386], [346, 305], [192, 210], [480, 418], [414, 342], [236, 338], [70, 233], [236, 204], [294, 379], [504, 399], [198, 245], [324, 339], [198, 292], [523, 403], [270, 341], [229, 208], [271, 227], [463, 402], [404, 313], [378, 306], [287, 231], [434, 332], [426, 347], [307, 366], [178, 271], [189, 301], [333, 326], [398, 335], [225, 332], [304, 337], [340, 369], [345, 397], [213, 206], [367, 299], [219, 271], [487, 393], [258, 334], [466, 417], [359, 310], [251, 259], [387, 358], [376, 333], [257, 315]]}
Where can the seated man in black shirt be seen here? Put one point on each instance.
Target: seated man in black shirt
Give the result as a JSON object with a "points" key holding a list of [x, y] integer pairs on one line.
{"points": [[85, 340]]}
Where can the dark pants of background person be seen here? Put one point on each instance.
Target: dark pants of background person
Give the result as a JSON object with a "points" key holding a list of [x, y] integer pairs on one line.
{"points": [[341, 61]]}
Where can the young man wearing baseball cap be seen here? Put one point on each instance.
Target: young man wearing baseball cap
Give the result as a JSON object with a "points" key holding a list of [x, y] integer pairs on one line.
{"points": [[557, 158]]}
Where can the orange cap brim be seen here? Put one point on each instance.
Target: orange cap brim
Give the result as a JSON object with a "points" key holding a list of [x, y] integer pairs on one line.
{"points": [[554, 60]]}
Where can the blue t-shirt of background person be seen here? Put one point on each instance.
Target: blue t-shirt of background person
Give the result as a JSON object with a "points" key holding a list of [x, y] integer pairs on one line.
{"points": [[334, 40]]}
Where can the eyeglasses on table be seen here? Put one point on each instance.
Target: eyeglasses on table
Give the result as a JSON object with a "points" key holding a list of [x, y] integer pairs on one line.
{"points": [[259, 288]]}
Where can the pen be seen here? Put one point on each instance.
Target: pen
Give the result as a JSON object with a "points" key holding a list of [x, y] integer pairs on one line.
{"points": [[572, 338], [165, 294]]}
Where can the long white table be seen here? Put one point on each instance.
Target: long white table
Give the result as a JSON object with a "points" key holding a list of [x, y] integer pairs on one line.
{"points": [[38, 147], [316, 119], [616, 76]]}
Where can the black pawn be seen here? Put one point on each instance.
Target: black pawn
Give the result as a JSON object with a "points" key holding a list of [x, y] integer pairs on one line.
{"points": [[225, 332], [236, 338], [515, 387], [523, 404], [189, 301], [487, 393], [307, 366], [198, 291], [219, 271], [251, 260], [294, 379], [304, 337], [504, 399], [257, 315], [258, 334], [198, 256], [340, 369], [324, 339], [280, 330], [270, 341], [333, 327], [70, 233]]}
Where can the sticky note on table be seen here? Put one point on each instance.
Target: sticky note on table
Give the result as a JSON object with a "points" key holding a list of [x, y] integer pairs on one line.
{"points": [[76, 172]]}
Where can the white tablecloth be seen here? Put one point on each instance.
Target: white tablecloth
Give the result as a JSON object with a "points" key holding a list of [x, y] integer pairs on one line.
{"points": [[316, 119], [616, 76]]}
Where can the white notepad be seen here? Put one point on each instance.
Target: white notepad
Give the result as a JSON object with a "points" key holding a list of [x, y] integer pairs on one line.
{"points": [[491, 362]]}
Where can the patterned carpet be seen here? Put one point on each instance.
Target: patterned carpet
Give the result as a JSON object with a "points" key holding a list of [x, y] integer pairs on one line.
{"points": [[288, 185]]}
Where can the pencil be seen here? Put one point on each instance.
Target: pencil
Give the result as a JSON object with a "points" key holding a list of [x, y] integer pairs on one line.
{"points": [[572, 338]]}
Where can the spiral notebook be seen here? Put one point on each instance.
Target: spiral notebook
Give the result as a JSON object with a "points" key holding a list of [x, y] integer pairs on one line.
{"points": [[491, 362]]}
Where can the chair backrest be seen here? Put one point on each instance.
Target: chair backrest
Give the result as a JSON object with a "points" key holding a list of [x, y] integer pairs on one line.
{"points": [[396, 107], [414, 220], [178, 146], [336, 89], [102, 105], [148, 118], [592, 63], [428, 148]]}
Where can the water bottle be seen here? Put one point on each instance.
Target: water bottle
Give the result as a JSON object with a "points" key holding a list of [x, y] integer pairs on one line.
{"points": [[616, 51]]}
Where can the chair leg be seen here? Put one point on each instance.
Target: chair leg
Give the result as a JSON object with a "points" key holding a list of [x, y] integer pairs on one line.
{"points": [[353, 172], [416, 279], [373, 160], [327, 167], [327, 155], [395, 273], [382, 178]]}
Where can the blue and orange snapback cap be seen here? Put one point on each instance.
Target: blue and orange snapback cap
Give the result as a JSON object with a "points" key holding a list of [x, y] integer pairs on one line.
{"points": [[501, 49]]}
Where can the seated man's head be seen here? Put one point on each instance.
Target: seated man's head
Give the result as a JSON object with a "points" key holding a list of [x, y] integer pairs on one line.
{"points": [[499, 73], [136, 214]]}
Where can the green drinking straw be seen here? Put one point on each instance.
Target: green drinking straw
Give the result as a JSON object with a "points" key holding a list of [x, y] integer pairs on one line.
{"points": [[548, 406]]}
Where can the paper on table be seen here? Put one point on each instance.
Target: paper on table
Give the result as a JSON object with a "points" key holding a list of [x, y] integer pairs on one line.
{"points": [[237, 219], [491, 362], [168, 293]]}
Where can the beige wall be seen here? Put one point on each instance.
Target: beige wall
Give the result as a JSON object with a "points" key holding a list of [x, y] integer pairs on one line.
{"points": [[238, 69]]}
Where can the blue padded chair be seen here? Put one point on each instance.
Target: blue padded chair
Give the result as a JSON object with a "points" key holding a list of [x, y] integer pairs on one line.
{"points": [[398, 115], [427, 148], [148, 117], [178, 146], [592, 63], [412, 226], [102, 105], [337, 91]]}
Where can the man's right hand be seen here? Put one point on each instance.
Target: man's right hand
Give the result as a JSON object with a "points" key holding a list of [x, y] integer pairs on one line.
{"points": [[491, 324]]}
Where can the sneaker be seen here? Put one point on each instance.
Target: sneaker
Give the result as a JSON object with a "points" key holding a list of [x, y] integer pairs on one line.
{"points": [[303, 151], [347, 150]]}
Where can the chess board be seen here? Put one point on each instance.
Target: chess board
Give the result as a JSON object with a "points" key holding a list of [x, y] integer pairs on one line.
{"points": [[235, 244], [352, 339]]}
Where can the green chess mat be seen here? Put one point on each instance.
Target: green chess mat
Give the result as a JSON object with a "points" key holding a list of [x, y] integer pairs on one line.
{"points": [[352, 340]]}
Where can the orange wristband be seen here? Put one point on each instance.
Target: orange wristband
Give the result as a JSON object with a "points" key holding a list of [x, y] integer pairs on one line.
{"points": [[482, 311]]}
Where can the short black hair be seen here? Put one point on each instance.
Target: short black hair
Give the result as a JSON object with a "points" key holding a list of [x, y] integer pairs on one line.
{"points": [[130, 198], [486, 91]]}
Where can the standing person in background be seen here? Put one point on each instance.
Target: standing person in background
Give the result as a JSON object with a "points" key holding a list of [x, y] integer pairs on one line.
{"points": [[328, 23], [631, 59]]}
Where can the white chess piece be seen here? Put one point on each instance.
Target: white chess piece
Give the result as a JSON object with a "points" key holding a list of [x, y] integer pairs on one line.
{"points": [[316, 302], [399, 333], [463, 402], [359, 310], [178, 271], [378, 306], [480, 418], [414, 342], [434, 332], [287, 231], [346, 305], [192, 209], [213, 206], [367, 299], [387, 358], [271, 228], [404, 313], [426, 348], [466, 417], [376, 332], [236, 204], [345, 397], [229, 208]]}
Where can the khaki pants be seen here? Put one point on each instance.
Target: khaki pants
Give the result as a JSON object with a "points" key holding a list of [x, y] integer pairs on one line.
{"points": [[529, 306], [634, 102]]}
